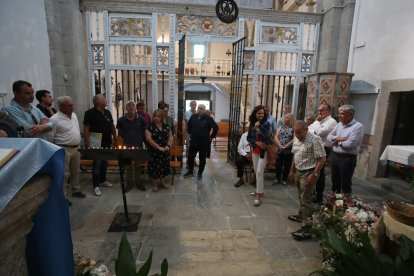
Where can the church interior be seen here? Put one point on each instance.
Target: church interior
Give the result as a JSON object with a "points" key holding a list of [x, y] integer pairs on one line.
{"points": [[229, 56]]}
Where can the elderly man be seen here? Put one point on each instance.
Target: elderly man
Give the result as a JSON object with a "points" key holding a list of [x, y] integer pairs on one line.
{"points": [[308, 160], [98, 120], [322, 126], [346, 138], [286, 110], [67, 135], [35, 123], [131, 127], [199, 127], [45, 100]]}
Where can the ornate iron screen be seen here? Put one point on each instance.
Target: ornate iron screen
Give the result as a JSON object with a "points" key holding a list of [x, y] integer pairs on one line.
{"points": [[235, 99]]}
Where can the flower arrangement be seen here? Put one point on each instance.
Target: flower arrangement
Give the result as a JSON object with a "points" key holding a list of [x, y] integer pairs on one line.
{"points": [[89, 267], [348, 217]]}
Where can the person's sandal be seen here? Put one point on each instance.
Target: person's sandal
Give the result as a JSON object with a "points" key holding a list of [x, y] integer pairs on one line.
{"points": [[256, 202]]}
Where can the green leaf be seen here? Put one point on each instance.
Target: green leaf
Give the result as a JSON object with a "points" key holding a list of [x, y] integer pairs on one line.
{"points": [[164, 267], [125, 263], [145, 269]]}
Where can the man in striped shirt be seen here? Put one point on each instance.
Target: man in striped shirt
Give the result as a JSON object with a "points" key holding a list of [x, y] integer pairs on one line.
{"points": [[308, 160]]}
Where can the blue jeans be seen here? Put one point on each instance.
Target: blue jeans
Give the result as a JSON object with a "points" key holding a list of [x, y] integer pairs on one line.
{"points": [[99, 172]]}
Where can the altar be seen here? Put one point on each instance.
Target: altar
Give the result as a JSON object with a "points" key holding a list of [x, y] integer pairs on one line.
{"points": [[401, 158], [49, 249]]}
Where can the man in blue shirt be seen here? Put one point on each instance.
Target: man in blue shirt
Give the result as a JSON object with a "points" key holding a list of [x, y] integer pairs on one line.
{"points": [[35, 123], [346, 139]]}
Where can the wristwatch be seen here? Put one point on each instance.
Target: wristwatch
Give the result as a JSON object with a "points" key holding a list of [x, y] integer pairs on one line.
{"points": [[316, 174]]}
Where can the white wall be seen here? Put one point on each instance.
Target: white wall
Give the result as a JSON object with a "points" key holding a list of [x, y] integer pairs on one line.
{"points": [[386, 29], [383, 49], [24, 45]]}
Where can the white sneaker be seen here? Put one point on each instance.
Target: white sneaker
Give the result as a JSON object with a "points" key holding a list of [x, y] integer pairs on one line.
{"points": [[284, 183], [97, 191], [106, 184]]}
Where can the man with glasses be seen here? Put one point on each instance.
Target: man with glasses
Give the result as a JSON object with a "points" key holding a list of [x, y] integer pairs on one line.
{"points": [[322, 126], [35, 123]]}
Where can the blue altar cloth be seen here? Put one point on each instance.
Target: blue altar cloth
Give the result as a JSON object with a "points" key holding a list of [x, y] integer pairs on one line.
{"points": [[49, 249]]}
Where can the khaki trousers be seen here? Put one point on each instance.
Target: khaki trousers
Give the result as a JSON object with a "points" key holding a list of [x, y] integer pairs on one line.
{"points": [[72, 168], [305, 193]]}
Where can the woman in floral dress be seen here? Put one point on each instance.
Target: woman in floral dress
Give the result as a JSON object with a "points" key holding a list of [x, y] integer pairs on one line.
{"points": [[159, 139]]}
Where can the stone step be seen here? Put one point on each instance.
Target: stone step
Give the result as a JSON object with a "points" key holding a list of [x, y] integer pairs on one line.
{"points": [[398, 187]]}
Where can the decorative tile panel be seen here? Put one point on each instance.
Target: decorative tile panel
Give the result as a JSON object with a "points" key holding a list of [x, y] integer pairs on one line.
{"points": [[279, 35], [202, 25], [162, 55], [306, 62], [248, 60], [131, 27], [98, 54]]}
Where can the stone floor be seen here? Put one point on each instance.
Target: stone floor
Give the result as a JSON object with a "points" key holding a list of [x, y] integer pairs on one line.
{"points": [[204, 227]]}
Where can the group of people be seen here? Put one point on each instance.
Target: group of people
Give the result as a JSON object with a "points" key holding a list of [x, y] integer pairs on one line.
{"points": [[302, 151], [136, 128]]}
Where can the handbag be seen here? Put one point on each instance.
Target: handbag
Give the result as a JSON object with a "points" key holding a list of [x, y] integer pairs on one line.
{"points": [[272, 151]]}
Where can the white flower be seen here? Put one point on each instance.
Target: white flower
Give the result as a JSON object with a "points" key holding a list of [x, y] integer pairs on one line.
{"points": [[339, 196], [339, 203], [100, 270], [362, 216]]}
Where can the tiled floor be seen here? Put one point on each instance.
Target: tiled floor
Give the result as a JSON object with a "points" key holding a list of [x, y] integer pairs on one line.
{"points": [[203, 227]]}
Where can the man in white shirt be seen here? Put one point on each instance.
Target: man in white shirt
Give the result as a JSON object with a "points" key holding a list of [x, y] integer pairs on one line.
{"points": [[67, 135], [322, 126], [244, 157]]}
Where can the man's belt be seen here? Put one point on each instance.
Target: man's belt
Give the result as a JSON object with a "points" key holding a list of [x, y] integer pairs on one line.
{"points": [[302, 171], [345, 154], [68, 146]]}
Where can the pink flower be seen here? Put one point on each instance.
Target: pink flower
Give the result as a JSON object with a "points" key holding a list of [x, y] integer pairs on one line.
{"points": [[350, 217]]}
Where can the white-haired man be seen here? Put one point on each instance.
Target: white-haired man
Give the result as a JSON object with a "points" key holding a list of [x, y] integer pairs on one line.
{"points": [[67, 135], [346, 138]]}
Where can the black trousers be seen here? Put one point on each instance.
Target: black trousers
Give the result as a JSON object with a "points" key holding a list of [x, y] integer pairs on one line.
{"points": [[99, 168], [320, 183], [240, 162], [201, 148], [283, 160], [343, 167]]}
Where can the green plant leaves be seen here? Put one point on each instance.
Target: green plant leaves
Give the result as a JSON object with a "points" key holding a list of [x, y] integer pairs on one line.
{"points": [[125, 263], [145, 269]]}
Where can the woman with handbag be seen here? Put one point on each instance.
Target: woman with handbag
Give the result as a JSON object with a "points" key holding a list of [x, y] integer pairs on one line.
{"points": [[260, 138], [284, 142]]}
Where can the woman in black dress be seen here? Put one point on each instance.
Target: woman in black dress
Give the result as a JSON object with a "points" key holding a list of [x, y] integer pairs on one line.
{"points": [[159, 139]]}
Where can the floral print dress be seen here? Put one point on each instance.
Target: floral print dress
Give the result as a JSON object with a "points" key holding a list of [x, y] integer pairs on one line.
{"points": [[160, 164]]}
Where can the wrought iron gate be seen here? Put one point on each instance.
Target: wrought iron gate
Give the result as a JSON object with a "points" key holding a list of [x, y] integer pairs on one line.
{"points": [[235, 99], [181, 105]]}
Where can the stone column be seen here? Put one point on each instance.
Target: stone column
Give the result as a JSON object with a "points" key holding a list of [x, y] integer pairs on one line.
{"points": [[335, 35], [330, 87], [16, 222]]}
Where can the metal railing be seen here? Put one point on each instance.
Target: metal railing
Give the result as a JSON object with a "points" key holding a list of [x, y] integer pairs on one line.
{"points": [[207, 67]]}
